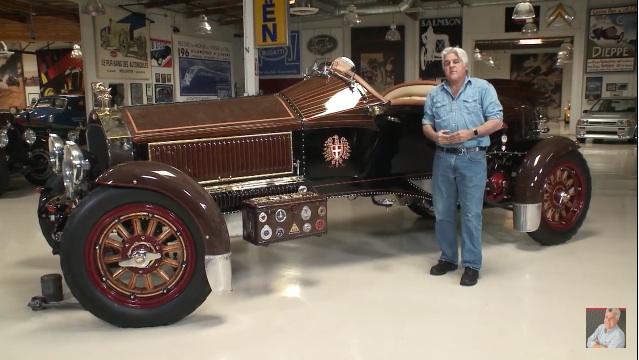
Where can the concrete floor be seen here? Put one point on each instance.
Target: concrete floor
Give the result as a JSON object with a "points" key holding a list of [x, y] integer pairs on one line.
{"points": [[362, 291]]}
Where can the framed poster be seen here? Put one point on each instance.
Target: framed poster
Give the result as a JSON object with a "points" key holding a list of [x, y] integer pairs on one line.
{"points": [[612, 39], [593, 88], [149, 89], [611, 86], [622, 86], [282, 60], [381, 66], [544, 78], [137, 94], [435, 36], [163, 93], [163, 78]]}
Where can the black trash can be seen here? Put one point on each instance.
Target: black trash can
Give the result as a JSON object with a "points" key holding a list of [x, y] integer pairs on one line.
{"points": [[51, 285]]}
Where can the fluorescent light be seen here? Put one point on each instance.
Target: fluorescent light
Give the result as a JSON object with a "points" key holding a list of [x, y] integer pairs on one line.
{"points": [[530, 41]]}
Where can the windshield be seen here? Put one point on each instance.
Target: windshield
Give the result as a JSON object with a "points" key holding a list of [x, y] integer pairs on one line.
{"points": [[58, 103], [614, 105]]}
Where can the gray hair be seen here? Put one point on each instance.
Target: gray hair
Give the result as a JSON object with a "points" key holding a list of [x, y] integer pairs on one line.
{"points": [[461, 54], [616, 311]]}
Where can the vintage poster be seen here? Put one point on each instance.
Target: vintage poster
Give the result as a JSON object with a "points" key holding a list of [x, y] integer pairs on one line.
{"points": [[435, 36], [161, 55], [203, 68], [124, 43], [540, 71], [281, 60], [380, 66], [593, 88], [612, 39], [12, 82], [59, 73]]}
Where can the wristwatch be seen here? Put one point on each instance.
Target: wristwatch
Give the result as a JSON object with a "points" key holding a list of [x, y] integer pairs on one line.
{"points": [[475, 132]]}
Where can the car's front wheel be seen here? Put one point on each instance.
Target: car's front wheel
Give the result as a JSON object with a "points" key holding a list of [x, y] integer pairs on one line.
{"points": [[565, 199], [39, 167], [134, 258]]}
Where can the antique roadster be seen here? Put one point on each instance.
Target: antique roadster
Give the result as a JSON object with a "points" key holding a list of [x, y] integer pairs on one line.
{"points": [[137, 216]]}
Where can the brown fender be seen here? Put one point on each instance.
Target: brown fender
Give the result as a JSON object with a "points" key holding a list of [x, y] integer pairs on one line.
{"points": [[178, 186], [539, 159]]}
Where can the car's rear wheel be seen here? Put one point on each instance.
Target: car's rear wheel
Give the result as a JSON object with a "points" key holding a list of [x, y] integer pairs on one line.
{"points": [[4, 174], [39, 167], [565, 199], [134, 258]]}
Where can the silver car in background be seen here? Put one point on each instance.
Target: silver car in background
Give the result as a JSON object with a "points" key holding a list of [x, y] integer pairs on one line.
{"points": [[609, 118]]}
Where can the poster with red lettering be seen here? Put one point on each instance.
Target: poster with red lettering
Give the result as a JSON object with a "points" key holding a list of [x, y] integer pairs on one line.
{"points": [[612, 39]]}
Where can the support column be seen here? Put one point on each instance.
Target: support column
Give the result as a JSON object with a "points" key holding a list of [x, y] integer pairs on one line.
{"points": [[251, 83]]}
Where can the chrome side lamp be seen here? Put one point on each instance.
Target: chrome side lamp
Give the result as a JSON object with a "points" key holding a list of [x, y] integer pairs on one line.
{"points": [[93, 8], [524, 10]]}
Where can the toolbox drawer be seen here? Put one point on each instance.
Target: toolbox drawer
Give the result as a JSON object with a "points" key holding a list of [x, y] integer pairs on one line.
{"points": [[278, 218]]}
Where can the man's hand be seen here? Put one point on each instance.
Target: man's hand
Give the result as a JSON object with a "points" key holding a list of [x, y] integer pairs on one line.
{"points": [[461, 136], [443, 137]]}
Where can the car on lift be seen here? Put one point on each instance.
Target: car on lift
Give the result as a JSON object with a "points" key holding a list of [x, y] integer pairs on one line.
{"points": [[137, 215], [612, 118]]}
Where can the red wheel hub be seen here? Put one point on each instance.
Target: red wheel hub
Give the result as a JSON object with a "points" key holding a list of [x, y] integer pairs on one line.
{"points": [[563, 196]]}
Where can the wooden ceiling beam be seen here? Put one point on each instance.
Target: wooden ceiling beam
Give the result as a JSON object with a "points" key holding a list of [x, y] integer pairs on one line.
{"points": [[39, 10], [46, 29], [15, 18]]}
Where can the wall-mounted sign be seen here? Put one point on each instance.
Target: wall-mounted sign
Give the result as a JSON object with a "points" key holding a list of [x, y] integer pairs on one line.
{"points": [[560, 15], [270, 21], [436, 35], [612, 39], [321, 44], [282, 60]]}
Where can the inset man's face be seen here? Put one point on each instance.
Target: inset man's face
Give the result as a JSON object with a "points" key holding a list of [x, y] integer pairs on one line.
{"points": [[610, 320]]}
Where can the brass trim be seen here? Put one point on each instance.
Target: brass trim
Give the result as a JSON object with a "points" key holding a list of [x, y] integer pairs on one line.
{"points": [[204, 182], [220, 138], [255, 184]]}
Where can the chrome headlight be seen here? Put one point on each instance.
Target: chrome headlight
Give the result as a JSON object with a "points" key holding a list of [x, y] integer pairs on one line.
{"points": [[56, 153], [29, 136], [73, 167], [50, 118], [4, 138], [13, 110]]}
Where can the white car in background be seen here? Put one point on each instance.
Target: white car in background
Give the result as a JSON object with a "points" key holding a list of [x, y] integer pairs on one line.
{"points": [[609, 118]]}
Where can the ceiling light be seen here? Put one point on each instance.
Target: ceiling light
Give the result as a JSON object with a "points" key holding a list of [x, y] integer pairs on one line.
{"points": [[351, 18], [478, 56], [93, 8], [566, 46], [393, 34], [302, 8], [530, 29], [204, 27], [523, 10], [76, 53], [4, 51]]}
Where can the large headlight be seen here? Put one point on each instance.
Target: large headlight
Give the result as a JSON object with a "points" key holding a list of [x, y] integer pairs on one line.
{"points": [[74, 135], [73, 167], [56, 153], [29, 136], [4, 138], [13, 110], [50, 118]]}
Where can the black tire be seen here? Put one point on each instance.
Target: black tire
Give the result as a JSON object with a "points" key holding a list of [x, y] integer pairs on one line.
{"points": [[633, 140], [96, 276], [570, 172], [422, 210], [52, 188], [4, 174], [40, 170], [582, 140]]}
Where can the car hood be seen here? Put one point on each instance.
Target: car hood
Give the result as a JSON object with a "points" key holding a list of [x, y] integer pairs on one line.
{"points": [[609, 116], [38, 113]]}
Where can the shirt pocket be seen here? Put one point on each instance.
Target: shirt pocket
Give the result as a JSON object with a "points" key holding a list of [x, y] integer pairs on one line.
{"points": [[442, 114], [471, 106]]}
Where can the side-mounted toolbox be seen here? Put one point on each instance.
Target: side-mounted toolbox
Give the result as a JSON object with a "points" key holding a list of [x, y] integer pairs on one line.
{"points": [[278, 218]]}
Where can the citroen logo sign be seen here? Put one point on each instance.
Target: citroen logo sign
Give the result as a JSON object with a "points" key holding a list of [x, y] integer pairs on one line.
{"points": [[560, 15]]}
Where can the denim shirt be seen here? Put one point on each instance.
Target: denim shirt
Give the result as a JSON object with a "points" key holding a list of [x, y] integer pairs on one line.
{"points": [[476, 103], [614, 338]]}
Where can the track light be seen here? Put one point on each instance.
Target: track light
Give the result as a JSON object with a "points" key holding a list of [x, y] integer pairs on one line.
{"points": [[524, 10], [4, 51], [530, 29], [393, 34], [76, 53], [93, 8], [204, 27]]}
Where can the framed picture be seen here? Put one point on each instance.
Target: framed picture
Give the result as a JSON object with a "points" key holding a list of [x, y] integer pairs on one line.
{"points": [[593, 88], [149, 90], [163, 79], [168, 78], [137, 94], [163, 93], [32, 98], [622, 86], [149, 99], [157, 77], [611, 87]]}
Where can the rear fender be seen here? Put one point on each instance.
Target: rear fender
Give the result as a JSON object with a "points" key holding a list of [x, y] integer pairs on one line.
{"points": [[173, 183], [538, 160]]}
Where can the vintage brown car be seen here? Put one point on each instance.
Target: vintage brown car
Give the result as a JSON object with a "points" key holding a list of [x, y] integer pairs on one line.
{"points": [[137, 216]]}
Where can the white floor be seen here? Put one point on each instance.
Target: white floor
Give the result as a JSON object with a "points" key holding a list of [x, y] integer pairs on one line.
{"points": [[362, 291]]}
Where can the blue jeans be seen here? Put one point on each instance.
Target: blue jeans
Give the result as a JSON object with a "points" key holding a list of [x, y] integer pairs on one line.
{"points": [[459, 179]]}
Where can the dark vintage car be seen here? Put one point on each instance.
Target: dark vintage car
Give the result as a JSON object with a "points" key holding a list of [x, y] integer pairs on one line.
{"points": [[56, 111], [137, 216], [23, 147]]}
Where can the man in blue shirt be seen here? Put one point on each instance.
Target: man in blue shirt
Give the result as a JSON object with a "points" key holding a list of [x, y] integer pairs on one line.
{"points": [[459, 115], [608, 334]]}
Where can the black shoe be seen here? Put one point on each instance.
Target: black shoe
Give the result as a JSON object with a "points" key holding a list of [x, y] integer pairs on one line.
{"points": [[442, 267], [470, 277]]}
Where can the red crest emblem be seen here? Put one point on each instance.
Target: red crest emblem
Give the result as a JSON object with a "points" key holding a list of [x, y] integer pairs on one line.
{"points": [[336, 150]]}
